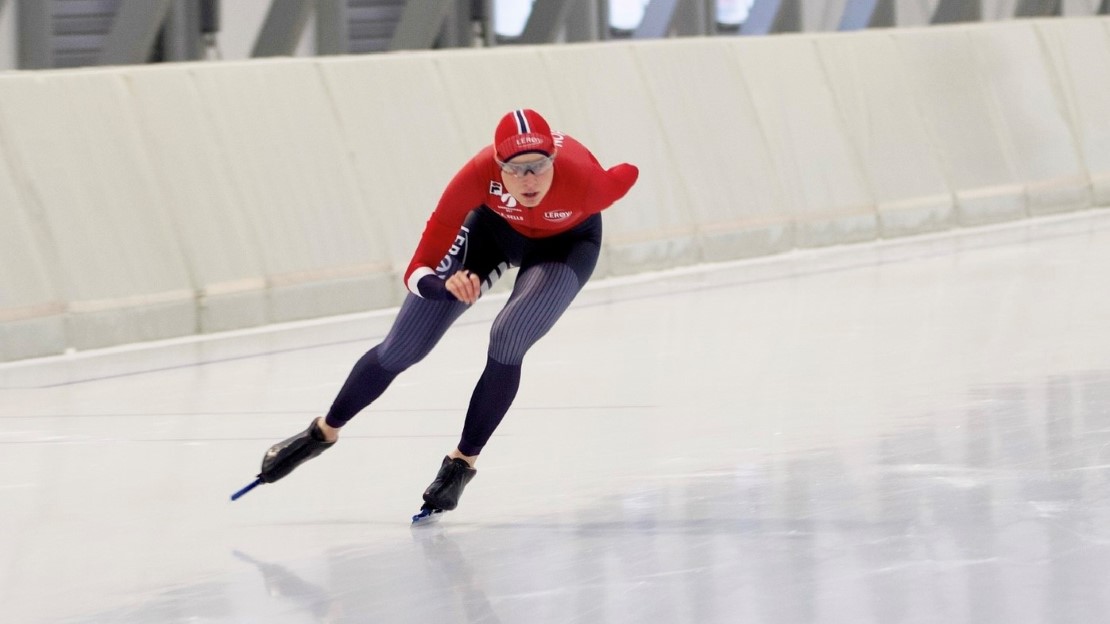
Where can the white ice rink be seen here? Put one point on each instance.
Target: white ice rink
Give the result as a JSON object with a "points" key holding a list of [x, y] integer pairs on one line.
{"points": [[914, 431]]}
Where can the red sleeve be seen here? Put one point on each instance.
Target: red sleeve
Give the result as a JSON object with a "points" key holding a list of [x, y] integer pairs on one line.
{"points": [[613, 183], [466, 191], [601, 187]]}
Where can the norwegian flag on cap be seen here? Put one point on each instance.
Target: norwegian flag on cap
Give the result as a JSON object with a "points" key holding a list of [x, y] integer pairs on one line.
{"points": [[522, 131]]}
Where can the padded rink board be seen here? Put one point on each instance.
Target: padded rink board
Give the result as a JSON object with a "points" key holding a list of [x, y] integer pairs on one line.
{"points": [[940, 65], [219, 238], [884, 123], [152, 202], [734, 196], [1079, 51], [826, 195], [84, 170], [32, 320], [283, 145]]}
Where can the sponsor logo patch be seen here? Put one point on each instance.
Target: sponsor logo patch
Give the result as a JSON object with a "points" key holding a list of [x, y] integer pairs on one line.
{"points": [[557, 215], [456, 254], [525, 141], [508, 202]]}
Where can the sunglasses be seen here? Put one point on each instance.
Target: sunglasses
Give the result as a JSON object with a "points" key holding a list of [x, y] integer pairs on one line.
{"points": [[519, 170]]}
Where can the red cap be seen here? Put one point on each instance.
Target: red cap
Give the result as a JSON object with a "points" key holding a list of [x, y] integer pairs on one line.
{"points": [[522, 131]]}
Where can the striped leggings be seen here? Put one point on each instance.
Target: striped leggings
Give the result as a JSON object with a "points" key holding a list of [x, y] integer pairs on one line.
{"points": [[552, 272]]}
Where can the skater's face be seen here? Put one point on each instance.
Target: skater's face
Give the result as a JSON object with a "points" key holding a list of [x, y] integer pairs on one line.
{"points": [[528, 177]]}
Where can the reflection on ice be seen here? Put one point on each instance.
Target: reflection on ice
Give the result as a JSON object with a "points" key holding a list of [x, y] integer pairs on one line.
{"points": [[997, 512]]}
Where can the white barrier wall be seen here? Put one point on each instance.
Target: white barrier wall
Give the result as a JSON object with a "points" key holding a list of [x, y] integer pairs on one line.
{"points": [[1079, 53], [31, 308], [397, 166], [202, 199], [281, 143], [821, 174], [1025, 105], [940, 65], [79, 161], [730, 197], [889, 134], [140, 203]]}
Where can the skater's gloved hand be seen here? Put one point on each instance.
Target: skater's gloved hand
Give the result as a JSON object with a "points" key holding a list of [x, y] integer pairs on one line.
{"points": [[433, 287], [461, 286], [465, 286]]}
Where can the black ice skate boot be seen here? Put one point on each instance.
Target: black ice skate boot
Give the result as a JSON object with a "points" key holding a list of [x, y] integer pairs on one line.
{"points": [[286, 455], [445, 490]]}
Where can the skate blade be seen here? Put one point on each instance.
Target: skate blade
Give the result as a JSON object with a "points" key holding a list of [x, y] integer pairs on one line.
{"points": [[427, 516], [253, 484]]}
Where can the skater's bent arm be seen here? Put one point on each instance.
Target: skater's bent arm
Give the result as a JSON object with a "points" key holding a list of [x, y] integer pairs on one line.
{"points": [[465, 286], [461, 196]]}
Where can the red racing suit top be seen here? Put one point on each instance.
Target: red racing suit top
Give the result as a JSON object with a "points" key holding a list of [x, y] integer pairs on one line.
{"points": [[581, 187]]}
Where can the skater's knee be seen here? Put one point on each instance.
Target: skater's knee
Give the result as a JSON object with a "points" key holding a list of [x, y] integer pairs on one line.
{"points": [[398, 358], [508, 350]]}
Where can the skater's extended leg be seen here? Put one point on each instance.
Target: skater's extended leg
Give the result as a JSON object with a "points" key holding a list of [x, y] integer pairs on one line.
{"points": [[418, 327], [540, 296]]}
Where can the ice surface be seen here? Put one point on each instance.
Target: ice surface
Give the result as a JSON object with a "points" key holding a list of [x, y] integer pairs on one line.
{"points": [[912, 431]]}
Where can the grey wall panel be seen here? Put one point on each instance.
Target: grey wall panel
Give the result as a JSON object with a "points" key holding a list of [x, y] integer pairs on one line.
{"points": [[773, 16], [134, 29], [282, 29]]}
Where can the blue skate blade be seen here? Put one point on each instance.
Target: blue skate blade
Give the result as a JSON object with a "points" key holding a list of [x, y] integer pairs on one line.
{"points": [[240, 493], [427, 516]]}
